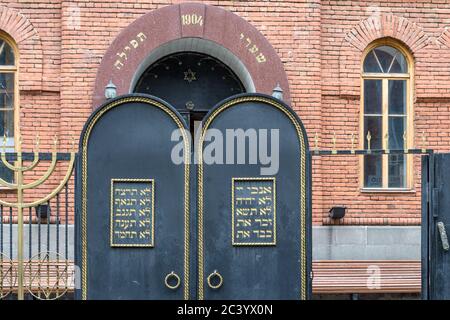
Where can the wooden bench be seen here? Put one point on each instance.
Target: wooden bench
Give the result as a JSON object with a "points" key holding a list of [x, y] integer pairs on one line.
{"points": [[371, 276], [330, 276]]}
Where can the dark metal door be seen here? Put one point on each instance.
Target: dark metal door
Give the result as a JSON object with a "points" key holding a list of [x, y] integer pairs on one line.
{"points": [[138, 234], [436, 225], [133, 203], [253, 227]]}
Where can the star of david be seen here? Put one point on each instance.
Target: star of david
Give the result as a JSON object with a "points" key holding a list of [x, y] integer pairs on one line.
{"points": [[189, 76]]}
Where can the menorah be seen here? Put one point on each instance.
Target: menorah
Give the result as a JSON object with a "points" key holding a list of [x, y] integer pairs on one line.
{"points": [[20, 186]]}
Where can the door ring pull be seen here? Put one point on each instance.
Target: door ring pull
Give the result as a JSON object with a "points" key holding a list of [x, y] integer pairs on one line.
{"points": [[172, 275], [212, 275]]}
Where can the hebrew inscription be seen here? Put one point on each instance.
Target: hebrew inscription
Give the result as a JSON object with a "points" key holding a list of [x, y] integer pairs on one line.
{"points": [[253, 211], [132, 213]]}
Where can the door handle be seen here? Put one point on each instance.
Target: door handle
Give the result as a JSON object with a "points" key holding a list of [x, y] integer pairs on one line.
{"points": [[211, 278], [169, 276], [443, 234]]}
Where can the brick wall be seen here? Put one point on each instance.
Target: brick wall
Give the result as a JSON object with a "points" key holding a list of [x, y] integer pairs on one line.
{"points": [[320, 43]]}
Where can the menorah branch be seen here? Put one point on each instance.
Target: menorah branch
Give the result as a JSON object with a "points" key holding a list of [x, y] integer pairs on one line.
{"points": [[47, 174], [15, 186], [58, 188], [7, 184], [34, 163], [7, 164], [38, 182]]}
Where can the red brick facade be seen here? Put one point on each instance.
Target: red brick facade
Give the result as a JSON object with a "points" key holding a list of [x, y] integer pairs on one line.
{"points": [[320, 43]]}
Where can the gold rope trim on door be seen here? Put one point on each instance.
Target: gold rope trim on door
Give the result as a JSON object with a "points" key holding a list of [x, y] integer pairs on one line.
{"points": [[302, 168], [174, 117]]}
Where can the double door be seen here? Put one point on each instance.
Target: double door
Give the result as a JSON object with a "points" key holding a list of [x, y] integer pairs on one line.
{"points": [[154, 222]]}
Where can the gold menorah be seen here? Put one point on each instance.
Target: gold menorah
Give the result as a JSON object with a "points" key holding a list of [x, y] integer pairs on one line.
{"points": [[20, 186]]}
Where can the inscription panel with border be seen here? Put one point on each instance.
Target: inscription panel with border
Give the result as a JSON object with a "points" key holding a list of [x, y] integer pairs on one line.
{"points": [[253, 212], [132, 213]]}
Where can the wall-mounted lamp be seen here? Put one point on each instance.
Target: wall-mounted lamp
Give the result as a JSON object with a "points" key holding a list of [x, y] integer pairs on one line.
{"points": [[43, 211], [337, 212], [110, 90], [277, 92]]}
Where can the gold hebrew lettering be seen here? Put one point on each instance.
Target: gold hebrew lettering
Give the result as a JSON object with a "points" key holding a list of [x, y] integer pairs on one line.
{"points": [[243, 222], [260, 58], [141, 36], [134, 43], [254, 49], [122, 55], [243, 234]]}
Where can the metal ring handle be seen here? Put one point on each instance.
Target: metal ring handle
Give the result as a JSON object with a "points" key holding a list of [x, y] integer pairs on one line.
{"points": [[170, 275], [215, 274]]}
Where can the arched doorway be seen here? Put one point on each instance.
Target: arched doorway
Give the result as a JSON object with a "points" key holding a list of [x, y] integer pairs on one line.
{"points": [[192, 82]]}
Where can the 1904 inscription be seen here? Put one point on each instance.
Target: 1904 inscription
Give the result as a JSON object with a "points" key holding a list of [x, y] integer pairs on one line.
{"points": [[132, 212], [253, 211]]}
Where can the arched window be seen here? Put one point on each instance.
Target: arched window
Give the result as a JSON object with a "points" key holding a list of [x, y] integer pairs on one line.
{"points": [[8, 97], [386, 114]]}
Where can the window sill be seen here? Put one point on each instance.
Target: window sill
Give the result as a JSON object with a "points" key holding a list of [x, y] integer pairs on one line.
{"points": [[6, 189], [388, 190]]}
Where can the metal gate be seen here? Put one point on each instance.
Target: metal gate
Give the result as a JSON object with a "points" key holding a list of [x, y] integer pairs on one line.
{"points": [[435, 188], [435, 225], [36, 260], [36, 255]]}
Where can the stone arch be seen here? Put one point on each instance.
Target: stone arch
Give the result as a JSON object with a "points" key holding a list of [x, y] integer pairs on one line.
{"points": [[135, 43], [18, 27], [362, 35]]}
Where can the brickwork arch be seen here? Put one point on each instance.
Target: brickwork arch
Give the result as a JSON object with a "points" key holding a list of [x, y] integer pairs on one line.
{"points": [[20, 29], [368, 31], [444, 38]]}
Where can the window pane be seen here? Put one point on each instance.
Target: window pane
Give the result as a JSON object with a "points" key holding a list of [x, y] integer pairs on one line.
{"points": [[6, 174], [397, 96], [396, 130], [373, 171], [373, 124], [391, 60], [7, 123], [397, 171], [6, 90], [7, 104], [371, 64], [6, 54], [399, 65], [385, 59], [372, 96]]}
